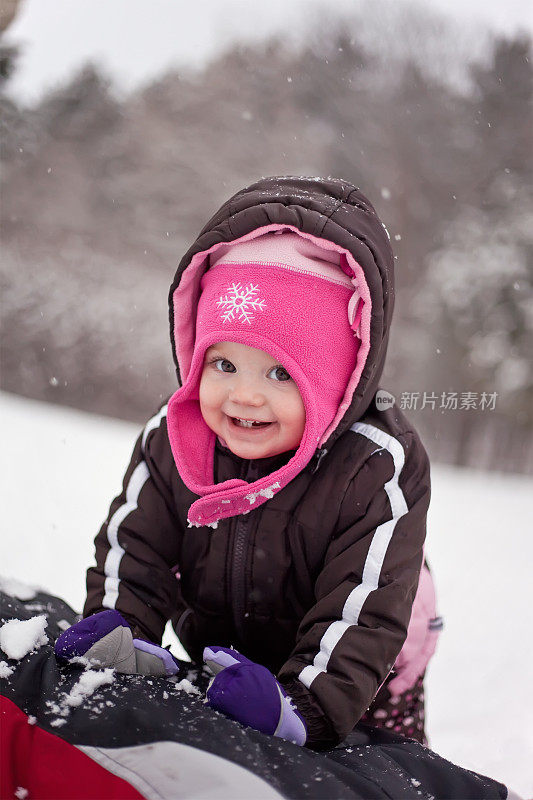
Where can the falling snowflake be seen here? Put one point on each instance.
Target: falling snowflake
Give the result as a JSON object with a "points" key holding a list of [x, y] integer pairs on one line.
{"points": [[239, 302]]}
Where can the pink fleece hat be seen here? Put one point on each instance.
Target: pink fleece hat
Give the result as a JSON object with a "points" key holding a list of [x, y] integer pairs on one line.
{"points": [[302, 310]]}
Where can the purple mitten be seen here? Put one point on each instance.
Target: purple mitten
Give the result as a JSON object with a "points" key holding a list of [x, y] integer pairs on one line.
{"points": [[250, 694], [105, 640], [79, 638]]}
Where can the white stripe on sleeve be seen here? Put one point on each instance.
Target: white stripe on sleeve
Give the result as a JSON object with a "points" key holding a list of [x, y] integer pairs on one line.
{"points": [[375, 557], [155, 422], [137, 480]]}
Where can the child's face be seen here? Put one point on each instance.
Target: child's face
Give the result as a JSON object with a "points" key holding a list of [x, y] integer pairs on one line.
{"points": [[241, 382]]}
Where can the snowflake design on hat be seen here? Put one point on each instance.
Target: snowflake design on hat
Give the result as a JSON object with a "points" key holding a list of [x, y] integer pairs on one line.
{"points": [[239, 303]]}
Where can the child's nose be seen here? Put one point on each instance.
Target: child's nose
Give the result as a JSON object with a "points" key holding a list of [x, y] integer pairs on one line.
{"points": [[246, 395]]}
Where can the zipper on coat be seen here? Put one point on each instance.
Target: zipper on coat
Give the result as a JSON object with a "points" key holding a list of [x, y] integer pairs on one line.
{"points": [[238, 563]]}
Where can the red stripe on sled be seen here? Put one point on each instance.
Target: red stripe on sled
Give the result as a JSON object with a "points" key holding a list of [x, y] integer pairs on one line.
{"points": [[48, 767]]}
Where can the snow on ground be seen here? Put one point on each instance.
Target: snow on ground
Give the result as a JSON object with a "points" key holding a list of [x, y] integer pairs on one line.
{"points": [[61, 469], [480, 549], [18, 589]]}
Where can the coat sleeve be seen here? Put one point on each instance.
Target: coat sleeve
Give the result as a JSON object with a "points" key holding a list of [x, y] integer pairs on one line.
{"points": [[138, 544], [349, 640]]}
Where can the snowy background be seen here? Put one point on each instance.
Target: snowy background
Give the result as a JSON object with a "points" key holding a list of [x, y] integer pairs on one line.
{"points": [[61, 468], [126, 123]]}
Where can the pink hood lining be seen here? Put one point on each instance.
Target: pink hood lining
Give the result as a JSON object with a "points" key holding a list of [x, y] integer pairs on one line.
{"points": [[186, 295]]}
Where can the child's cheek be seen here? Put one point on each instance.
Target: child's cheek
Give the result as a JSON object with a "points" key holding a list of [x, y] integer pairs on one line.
{"points": [[205, 392]]}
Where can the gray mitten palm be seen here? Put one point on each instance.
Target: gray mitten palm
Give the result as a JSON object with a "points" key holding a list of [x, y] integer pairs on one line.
{"points": [[106, 640]]}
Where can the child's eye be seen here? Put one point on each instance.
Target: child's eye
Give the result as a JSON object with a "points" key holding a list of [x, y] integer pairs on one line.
{"points": [[225, 365], [280, 374]]}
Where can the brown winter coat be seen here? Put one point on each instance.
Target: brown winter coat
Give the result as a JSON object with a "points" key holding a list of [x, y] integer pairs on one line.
{"points": [[317, 583]]}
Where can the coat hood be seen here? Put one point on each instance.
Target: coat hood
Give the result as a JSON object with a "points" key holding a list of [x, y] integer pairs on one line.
{"points": [[332, 214]]}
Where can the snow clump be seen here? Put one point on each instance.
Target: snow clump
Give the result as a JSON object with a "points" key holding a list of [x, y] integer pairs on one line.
{"points": [[5, 669], [87, 684], [185, 686], [268, 493], [20, 637]]}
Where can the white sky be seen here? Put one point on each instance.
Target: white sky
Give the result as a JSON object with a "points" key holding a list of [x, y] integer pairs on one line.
{"points": [[135, 40]]}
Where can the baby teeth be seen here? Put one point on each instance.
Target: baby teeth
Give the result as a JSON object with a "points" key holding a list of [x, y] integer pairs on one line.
{"points": [[244, 422]]}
